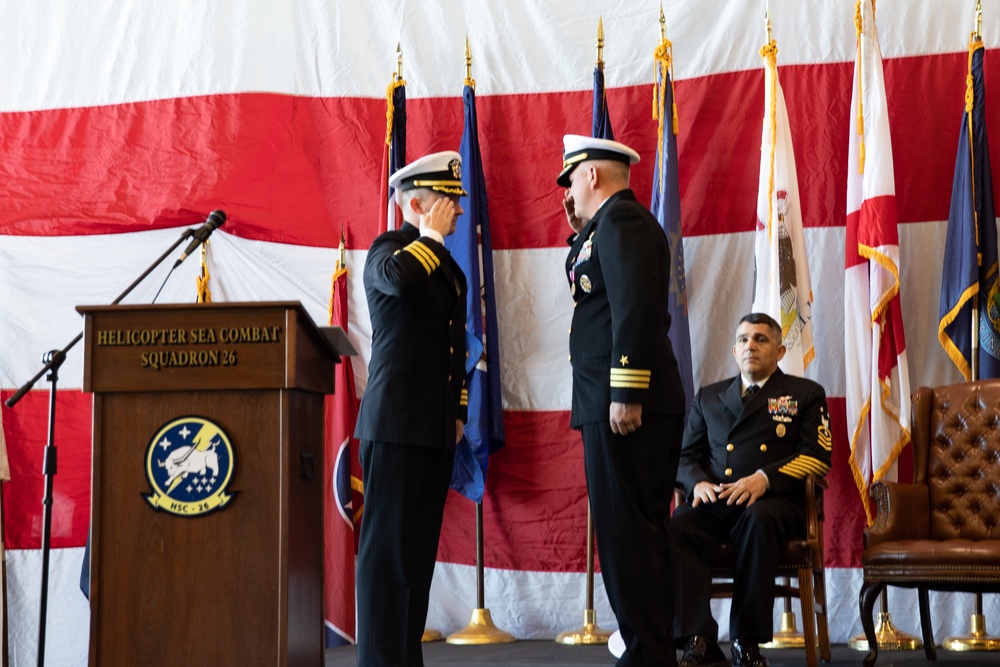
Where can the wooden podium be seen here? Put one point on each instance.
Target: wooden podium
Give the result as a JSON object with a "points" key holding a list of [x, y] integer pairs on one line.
{"points": [[207, 521]]}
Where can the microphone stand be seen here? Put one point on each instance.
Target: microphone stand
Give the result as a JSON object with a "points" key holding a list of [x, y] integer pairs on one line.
{"points": [[53, 360]]}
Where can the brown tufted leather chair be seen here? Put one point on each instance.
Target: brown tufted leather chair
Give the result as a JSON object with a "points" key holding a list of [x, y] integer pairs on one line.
{"points": [[801, 559], [943, 531]]}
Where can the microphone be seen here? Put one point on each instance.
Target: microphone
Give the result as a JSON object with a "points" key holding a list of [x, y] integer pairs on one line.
{"points": [[200, 235]]}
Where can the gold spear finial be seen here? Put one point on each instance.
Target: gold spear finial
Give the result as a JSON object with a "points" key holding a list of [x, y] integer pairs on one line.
{"points": [[979, 19], [663, 24], [398, 75], [342, 260], [767, 20], [600, 42], [469, 81]]}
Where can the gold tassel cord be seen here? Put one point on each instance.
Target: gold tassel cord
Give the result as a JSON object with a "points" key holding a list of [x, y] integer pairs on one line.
{"points": [[769, 52], [970, 104], [202, 281]]}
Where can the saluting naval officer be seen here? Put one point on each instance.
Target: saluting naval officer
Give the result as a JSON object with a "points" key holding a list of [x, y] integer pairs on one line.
{"points": [[628, 401], [749, 444], [413, 410]]}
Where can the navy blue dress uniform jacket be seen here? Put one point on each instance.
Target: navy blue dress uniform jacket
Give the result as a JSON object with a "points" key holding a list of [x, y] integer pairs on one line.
{"points": [[784, 430], [416, 300], [619, 273]]}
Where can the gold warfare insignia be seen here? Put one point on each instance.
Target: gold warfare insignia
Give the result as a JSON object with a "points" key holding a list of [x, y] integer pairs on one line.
{"points": [[189, 463], [780, 430], [585, 284], [456, 169]]}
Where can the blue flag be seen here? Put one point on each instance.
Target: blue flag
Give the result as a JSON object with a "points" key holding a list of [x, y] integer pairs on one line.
{"points": [[666, 206], [970, 258], [601, 123], [471, 247]]}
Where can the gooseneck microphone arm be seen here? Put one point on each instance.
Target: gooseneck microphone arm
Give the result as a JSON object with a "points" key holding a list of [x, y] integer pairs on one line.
{"points": [[57, 357]]}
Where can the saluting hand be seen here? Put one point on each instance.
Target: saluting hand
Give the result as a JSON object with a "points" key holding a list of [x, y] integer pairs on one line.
{"points": [[575, 223], [441, 217]]}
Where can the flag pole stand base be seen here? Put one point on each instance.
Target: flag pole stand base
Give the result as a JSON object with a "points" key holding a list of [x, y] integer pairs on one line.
{"points": [[431, 635], [788, 636], [889, 637], [480, 630], [977, 640], [586, 635]]}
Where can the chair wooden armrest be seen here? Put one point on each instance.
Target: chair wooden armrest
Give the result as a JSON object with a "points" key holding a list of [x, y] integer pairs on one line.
{"points": [[902, 513]]}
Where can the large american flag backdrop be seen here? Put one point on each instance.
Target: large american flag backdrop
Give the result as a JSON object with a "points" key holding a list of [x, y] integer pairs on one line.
{"points": [[123, 123]]}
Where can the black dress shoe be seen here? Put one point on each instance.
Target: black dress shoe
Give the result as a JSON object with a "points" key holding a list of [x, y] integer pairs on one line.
{"points": [[700, 652], [746, 654]]}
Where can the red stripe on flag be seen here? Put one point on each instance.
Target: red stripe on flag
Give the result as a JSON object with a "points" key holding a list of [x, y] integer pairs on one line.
{"points": [[26, 429], [291, 169]]}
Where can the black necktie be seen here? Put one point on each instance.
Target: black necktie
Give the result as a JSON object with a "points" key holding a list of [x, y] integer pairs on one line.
{"points": [[751, 390]]}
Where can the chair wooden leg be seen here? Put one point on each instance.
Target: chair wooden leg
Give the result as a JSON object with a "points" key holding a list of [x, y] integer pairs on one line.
{"points": [[866, 599], [926, 627], [806, 600], [819, 584]]}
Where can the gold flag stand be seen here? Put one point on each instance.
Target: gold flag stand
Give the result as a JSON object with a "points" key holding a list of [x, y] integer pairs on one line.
{"points": [[589, 633], [978, 639], [888, 636], [431, 635], [788, 635], [480, 629]]}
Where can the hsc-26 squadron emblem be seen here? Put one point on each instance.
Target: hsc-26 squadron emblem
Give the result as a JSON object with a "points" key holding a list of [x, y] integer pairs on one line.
{"points": [[189, 464]]}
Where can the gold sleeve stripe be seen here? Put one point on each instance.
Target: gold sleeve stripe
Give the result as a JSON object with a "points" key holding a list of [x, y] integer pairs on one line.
{"points": [[630, 372], [625, 384], [804, 465], [423, 253], [427, 267]]}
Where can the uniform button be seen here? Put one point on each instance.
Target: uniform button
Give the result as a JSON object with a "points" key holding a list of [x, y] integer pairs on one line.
{"points": [[570, 330], [570, 357], [449, 322], [730, 447], [763, 448], [729, 472], [451, 350], [449, 377]]}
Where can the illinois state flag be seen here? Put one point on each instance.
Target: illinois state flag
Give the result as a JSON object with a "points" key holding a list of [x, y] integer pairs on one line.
{"points": [[969, 276], [341, 487], [782, 287], [878, 385]]}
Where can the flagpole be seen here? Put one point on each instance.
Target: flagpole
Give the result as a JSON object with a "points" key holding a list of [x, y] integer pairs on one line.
{"points": [[978, 638], [481, 629], [787, 635]]}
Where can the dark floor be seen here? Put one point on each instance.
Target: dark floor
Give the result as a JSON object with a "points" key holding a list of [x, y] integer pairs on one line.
{"points": [[550, 654]]}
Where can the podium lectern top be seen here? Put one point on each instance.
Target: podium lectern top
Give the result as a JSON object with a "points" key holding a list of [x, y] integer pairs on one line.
{"points": [[183, 347]]}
